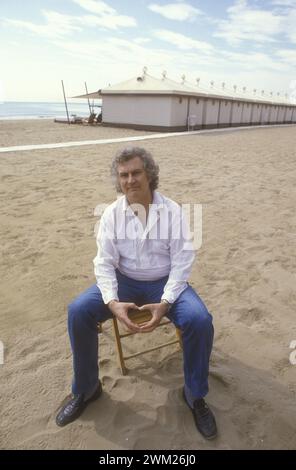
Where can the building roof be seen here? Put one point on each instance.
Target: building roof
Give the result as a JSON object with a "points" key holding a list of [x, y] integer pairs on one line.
{"points": [[145, 84], [148, 84]]}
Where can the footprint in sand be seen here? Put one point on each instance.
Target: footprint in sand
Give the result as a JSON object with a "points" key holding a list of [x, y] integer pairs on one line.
{"points": [[129, 420], [251, 316], [122, 390], [220, 391]]}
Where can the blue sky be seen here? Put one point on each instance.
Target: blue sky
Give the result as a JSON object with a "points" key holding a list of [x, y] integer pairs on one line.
{"points": [[249, 43]]}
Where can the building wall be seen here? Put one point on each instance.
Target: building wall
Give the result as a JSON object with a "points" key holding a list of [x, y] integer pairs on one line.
{"points": [[280, 118], [210, 113], [246, 113], [273, 114], [256, 111], [196, 106], [289, 113], [264, 119], [236, 117], [280, 114], [139, 110], [179, 111], [171, 112], [225, 110]]}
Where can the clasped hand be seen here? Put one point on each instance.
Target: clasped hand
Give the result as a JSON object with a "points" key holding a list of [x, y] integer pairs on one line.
{"points": [[121, 309]]}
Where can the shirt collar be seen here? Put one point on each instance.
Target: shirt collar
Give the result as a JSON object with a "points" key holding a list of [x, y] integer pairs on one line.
{"points": [[157, 202]]}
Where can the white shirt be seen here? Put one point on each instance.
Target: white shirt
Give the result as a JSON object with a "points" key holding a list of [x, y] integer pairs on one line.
{"points": [[162, 248]]}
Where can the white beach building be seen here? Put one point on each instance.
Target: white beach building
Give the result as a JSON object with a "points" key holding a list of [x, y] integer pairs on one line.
{"points": [[149, 103]]}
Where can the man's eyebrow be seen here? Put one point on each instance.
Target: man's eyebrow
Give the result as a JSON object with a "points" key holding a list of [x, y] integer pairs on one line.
{"points": [[134, 171]]}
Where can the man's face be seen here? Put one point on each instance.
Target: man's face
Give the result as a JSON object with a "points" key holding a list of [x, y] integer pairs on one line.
{"points": [[133, 179]]}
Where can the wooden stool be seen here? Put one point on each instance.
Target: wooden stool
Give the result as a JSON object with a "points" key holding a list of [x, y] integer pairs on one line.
{"points": [[138, 318]]}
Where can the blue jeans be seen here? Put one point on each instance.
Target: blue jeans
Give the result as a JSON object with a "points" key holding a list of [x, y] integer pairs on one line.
{"points": [[188, 313]]}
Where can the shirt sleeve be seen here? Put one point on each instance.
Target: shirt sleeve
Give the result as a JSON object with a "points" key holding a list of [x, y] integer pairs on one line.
{"points": [[182, 256], [106, 261]]}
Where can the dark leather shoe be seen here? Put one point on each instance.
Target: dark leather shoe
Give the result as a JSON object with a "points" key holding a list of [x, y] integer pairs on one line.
{"points": [[73, 408], [204, 418]]}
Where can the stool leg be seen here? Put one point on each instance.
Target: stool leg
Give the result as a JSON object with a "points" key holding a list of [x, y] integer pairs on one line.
{"points": [[119, 348], [179, 337]]}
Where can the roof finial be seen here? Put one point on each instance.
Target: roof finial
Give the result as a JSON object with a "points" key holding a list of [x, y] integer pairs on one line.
{"points": [[234, 87], [164, 74], [144, 70], [183, 79], [223, 85], [212, 83], [197, 81], [254, 91], [244, 89]]}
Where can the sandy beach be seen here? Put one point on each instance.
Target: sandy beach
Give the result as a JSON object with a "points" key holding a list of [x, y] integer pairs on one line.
{"points": [[244, 271]]}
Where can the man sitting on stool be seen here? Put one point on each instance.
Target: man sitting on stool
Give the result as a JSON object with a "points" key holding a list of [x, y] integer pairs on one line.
{"points": [[141, 261]]}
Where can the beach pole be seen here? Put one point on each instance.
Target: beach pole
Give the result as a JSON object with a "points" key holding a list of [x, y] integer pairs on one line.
{"points": [[65, 102], [90, 111]]}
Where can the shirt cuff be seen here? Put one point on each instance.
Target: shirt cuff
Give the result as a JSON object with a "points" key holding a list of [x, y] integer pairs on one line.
{"points": [[171, 294], [108, 296], [170, 298]]}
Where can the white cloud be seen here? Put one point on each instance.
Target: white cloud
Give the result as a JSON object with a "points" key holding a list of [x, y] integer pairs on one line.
{"points": [[108, 16], [57, 25], [287, 3], [251, 24], [289, 25], [176, 11], [107, 21], [124, 52], [100, 8], [119, 59], [255, 61], [142, 40], [288, 56], [115, 52], [181, 41]]}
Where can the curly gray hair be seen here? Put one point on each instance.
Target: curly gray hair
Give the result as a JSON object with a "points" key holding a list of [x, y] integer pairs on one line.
{"points": [[151, 168]]}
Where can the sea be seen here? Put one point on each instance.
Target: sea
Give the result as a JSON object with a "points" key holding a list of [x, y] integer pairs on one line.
{"points": [[45, 110]]}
